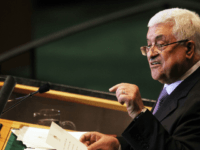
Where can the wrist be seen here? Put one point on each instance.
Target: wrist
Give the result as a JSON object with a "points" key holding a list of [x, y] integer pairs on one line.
{"points": [[137, 115], [142, 112]]}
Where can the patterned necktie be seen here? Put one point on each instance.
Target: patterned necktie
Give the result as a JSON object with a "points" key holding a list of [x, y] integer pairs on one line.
{"points": [[161, 99]]}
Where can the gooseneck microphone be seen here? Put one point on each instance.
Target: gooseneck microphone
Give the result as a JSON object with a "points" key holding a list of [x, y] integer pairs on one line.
{"points": [[42, 89], [6, 91]]}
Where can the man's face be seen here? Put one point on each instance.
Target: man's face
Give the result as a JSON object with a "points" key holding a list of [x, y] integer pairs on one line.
{"points": [[169, 65]]}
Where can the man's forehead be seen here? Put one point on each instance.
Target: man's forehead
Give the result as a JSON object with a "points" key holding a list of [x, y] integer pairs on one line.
{"points": [[160, 31], [158, 37]]}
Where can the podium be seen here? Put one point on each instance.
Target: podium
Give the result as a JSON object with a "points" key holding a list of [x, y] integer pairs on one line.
{"points": [[6, 132], [90, 110]]}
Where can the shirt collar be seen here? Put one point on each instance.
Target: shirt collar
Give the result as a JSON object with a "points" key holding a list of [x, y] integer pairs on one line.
{"points": [[170, 87]]}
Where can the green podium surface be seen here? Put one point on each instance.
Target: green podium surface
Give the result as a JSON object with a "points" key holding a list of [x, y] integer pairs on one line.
{"points": [[13, 144]]}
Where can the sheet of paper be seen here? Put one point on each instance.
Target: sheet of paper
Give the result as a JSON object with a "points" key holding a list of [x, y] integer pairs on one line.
{"points": [[33, 137], [77, 135], [62, 140], [38, 149]]}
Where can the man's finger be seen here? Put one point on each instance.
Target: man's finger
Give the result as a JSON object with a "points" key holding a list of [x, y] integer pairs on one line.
{"points": [[96, 145], [87, 143], [114, 88], [93, 138], [121, 91], [123, 99], [85, 137]]}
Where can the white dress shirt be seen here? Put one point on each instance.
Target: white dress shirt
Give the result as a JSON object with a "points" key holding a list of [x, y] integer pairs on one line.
{"points": [[171, 87]]}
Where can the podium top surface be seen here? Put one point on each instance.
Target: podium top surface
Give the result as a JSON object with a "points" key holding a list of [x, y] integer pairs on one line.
{"points": [[6, 130]]}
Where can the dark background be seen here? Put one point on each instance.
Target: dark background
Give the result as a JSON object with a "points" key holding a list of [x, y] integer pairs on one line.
{"points": [[96, 59]]}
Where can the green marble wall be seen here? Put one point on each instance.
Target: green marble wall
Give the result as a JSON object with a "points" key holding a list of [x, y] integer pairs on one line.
{"points": [[97, 58]]}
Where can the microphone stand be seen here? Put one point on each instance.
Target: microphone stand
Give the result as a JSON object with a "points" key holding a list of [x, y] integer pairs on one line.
{"points": [[5, 93], [42, 89], [17, 103]]}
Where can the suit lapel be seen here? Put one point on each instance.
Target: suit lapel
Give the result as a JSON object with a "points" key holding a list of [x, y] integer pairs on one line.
{"points": [[170, 104]]}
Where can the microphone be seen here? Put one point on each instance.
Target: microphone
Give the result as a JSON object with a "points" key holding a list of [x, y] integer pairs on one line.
{"points": [[42, 89], [6, 91]]}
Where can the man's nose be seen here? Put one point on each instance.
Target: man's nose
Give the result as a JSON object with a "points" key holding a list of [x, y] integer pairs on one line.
{"points": [[153, 52]]}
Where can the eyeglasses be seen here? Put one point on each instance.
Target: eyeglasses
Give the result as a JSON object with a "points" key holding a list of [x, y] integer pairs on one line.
{"points": [[159, 47]]}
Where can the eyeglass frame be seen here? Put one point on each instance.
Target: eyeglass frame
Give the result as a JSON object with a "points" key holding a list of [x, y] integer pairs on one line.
{"points": [[158, 46]]}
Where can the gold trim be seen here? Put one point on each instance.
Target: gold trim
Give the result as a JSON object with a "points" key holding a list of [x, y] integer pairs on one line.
{"points": [[70, 97]]}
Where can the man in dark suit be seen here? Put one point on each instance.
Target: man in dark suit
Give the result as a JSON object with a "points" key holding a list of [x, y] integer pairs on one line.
{"points": [[173, 53]]}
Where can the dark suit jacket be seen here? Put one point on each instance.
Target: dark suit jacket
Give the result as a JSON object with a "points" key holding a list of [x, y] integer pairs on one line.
{"points": [[175, 126]]}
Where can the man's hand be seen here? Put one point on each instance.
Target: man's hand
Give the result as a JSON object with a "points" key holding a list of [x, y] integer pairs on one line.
{"points": [[96, 140], [130, 95]]}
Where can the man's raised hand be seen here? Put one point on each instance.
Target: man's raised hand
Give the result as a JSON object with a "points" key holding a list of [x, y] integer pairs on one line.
{"points": [[130, 95]]}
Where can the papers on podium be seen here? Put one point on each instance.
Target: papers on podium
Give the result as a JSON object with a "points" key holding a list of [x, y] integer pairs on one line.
{"points": [[45, 139], [62, 140]]}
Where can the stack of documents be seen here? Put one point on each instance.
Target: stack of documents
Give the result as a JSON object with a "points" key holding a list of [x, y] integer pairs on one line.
{"points": [[54, 139]]}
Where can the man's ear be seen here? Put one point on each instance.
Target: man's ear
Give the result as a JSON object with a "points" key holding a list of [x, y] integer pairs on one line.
{"points": [[190, 49]]}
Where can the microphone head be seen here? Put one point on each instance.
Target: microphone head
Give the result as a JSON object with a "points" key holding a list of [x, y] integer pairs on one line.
{"points": [[44, 88]]}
